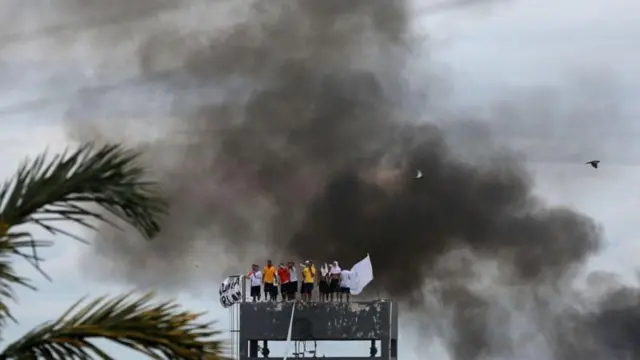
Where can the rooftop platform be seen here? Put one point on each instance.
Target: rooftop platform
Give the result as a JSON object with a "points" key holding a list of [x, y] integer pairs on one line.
{"points": [[328, 321], [319, 321]]}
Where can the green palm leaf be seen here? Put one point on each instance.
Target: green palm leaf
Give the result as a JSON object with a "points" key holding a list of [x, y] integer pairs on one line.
{"points": [[64, 189], [161, 331], [48, 191], [44, 192]]}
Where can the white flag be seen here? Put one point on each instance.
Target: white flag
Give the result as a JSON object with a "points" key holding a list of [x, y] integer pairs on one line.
{"points": [[361, 275]]}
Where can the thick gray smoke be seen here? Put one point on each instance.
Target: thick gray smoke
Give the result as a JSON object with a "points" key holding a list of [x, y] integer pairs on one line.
{"points": [[294, 135]]}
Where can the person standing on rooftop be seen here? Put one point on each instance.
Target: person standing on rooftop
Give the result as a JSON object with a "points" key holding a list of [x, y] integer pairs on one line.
{"points": [[269, 279], [283, 280], [293, 281], [308, 279], [255, 276], [334, 280], [345, 287]]}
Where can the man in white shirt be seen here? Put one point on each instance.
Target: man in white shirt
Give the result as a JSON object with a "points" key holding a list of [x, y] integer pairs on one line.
{"points": [[323, 283], [293, 280], [255, 276], [334, 279], [345, 285]]}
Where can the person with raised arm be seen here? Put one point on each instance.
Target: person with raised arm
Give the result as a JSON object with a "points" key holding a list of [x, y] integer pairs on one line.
{"points": [[334, 280], [255, 277], [269, 280], [323, 283], [308, 279], [283, 280], [293, 281]]}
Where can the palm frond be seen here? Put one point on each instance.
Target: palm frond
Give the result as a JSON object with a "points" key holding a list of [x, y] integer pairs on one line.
{"points": [[49, 190], [9, 246], [45, 192], [8, 278], [160, 331]]}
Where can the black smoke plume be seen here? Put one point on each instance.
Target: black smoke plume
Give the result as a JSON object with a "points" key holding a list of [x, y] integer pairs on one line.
{"points": [[293, 135]]}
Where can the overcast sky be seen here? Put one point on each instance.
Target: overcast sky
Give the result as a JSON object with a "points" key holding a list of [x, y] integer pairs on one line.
{"points": [[487, 53]]}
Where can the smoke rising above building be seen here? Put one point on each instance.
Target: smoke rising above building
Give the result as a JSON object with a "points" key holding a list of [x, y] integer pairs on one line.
{"points": [[291, 135]]}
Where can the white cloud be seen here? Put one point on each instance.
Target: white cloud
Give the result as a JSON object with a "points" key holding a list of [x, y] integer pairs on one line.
{"points": [[529, 41], [26, 139]]}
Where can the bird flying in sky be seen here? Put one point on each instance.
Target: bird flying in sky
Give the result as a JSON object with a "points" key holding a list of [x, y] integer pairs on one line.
{"points": [[593, 163]]}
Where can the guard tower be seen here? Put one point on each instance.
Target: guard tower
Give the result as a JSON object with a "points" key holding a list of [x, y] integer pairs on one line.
{"points": [[262, 322]]}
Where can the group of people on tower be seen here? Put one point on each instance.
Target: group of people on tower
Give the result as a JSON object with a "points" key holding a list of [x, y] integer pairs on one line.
{"points": [[287, 281]]}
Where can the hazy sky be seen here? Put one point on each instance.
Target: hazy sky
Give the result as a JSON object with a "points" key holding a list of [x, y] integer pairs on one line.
{"points": [[486, 53]]}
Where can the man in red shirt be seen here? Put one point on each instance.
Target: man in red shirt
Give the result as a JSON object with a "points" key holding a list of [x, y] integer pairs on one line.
{"points": [[283, 279]]}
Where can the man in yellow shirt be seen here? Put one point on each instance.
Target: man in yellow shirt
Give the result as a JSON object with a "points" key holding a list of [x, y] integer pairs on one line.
{"points": [[268, 279], [308, 279]]}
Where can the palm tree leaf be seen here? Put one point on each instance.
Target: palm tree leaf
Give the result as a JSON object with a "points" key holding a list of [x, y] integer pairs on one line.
{"points": [[64, 188], [161, 331], [8, 277], [48, 190]]}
